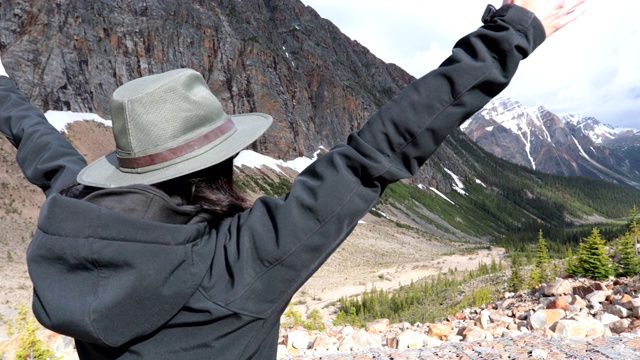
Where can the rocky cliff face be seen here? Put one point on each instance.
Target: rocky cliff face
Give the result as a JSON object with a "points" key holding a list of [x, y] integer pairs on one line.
{"points": [[273, 56], [541, 140]]}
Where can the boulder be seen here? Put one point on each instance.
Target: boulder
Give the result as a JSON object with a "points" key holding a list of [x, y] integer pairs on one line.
{"points": [[507, 303], [430, 341], [558, 287], [324, 343], [297, 340], [570, 329], [379, 326], [440, 331], [607, 318], [282, 352], [635, 324], [483, 321], [623, 300], [544, 319], [578, 301], [620, 326], [410, 339], [633, 305], [618, 311], [474, 333], [559, 303], [584, 290], [460, 316], [359, 340], [598, 296], [592, 326]]}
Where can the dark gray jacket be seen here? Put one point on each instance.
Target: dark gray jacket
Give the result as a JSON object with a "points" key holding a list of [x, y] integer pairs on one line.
{"points": [[130, 274]]}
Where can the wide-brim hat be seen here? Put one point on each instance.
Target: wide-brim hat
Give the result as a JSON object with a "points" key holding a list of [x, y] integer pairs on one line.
{"points": [[168, 125]]}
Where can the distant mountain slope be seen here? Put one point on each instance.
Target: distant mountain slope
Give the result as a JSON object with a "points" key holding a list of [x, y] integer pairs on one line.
{"points": [[570, 145]]}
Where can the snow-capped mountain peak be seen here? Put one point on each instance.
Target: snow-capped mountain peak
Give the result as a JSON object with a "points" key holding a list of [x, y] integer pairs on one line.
{"points": [[591, 127], [571, 144]]}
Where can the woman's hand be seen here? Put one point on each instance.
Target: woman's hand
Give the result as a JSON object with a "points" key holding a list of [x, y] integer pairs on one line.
{"points": [[554, 14]]}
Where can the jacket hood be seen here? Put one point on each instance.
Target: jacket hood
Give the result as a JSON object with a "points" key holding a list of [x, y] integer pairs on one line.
{"points": [[115, 273]]}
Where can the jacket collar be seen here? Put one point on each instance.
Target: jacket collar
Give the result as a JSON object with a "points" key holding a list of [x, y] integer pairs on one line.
{"points": [[147, 203]]}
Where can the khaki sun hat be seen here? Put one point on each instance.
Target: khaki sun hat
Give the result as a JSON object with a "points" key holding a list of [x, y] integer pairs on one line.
{"points": [[168, 125]]}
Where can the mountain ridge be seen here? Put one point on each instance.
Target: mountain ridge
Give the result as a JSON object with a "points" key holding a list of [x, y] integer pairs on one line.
{"points": [[573, 145]]}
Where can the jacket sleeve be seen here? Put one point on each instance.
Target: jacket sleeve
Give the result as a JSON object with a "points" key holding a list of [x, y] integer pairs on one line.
{"points": [[46, 158], [272, 249]]}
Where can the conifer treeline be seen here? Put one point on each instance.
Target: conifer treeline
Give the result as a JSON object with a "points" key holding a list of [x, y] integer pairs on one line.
{"points": [[426, 302], [444, 294]]}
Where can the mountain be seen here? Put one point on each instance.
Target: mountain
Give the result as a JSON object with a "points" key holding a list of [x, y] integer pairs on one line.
{"points": [[282, 58], [536, 138], [274, 56]]}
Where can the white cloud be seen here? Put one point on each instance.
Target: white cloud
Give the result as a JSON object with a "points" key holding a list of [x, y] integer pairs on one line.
{"points": [[589, 67]]}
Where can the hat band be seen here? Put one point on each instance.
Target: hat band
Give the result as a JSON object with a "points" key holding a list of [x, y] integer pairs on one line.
{"points": [[170, 154]]}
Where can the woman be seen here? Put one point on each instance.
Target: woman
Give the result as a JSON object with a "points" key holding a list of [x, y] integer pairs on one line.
{"points": [[144, 260]]}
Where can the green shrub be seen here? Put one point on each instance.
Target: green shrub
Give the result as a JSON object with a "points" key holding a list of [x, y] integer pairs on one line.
{"points": [[31, 346], [294, 317], [314, 321]]}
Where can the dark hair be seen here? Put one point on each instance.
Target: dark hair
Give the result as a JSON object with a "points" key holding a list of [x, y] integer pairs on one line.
{"points": [[211, 188]]}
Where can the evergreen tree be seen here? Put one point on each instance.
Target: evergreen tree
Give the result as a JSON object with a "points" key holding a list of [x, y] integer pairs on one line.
{"points": [[633, 228], [540, 271], [515, 280], [592, 260], [628, 260], [572, 263]]}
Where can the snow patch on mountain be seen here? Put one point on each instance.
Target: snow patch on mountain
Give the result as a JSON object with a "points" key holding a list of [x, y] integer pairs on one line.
{"points": [[60, 119], [441, 195], [255, 160], [517, 118], [580, 149], [458, 186], [537, 119]]}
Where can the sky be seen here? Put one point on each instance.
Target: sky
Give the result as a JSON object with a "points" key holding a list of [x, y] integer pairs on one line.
{"points": [[591, 67]]}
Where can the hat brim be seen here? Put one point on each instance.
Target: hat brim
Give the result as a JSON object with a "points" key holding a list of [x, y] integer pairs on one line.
{"points": [[104, 172]]}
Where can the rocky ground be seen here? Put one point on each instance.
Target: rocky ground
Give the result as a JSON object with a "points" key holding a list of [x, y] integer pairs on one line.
{"points": [[526, 346], [565, 319]]}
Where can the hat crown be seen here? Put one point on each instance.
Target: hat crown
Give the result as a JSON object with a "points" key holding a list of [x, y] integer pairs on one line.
{"points": [[159, 112], [168, 125]]}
